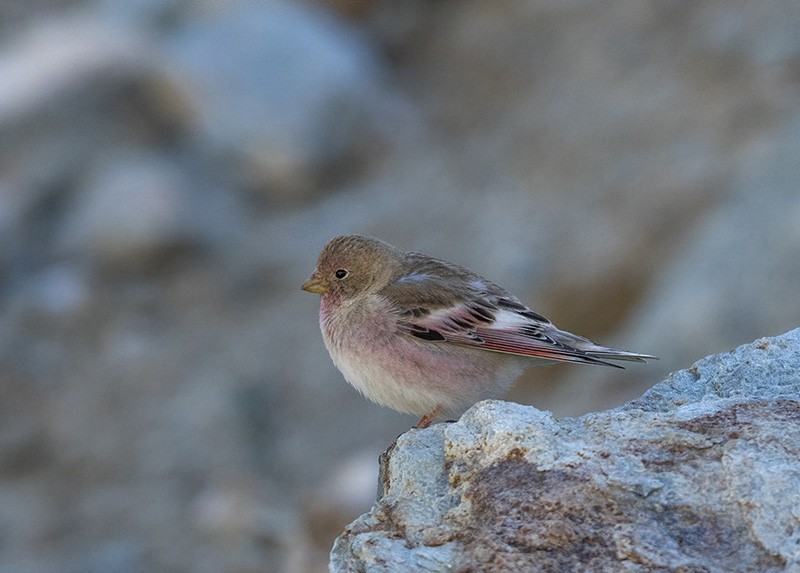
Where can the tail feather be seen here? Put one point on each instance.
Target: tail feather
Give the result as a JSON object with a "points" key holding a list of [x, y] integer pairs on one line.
{"points": [[602, 354], [614, 354]]}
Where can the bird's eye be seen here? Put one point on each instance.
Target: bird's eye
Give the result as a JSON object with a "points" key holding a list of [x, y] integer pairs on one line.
{"points": [[341, 273]]}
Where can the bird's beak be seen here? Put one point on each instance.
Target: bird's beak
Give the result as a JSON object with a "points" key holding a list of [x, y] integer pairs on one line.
{"points": [[315, 284]]}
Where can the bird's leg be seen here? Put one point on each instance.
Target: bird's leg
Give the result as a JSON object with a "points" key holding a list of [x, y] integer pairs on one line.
{"points": [[428, 418]]}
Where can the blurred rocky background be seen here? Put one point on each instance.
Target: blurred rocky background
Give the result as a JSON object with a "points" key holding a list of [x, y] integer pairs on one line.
{"points": [[170, 170]]}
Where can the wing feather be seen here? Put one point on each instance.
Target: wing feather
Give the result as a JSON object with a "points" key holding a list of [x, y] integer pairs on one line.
{"points": [[441, 303]]}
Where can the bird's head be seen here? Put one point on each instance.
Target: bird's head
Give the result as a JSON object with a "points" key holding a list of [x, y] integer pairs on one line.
{"points": [[351, 265]]}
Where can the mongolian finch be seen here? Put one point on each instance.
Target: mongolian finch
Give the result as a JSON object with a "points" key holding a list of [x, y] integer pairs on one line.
{"points": [[423, 336]]}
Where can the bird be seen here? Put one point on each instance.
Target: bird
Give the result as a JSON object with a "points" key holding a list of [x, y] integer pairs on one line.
{"points": [[424, 336]]}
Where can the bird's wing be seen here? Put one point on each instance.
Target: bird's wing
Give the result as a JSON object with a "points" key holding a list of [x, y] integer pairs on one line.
{"points": [[470, 311]]}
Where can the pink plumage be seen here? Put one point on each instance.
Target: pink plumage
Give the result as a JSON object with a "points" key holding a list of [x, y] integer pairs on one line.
{"points": [[423, 336]]}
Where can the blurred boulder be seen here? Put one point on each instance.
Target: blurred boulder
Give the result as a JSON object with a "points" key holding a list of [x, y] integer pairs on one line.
{"points": [[135, 210], [69, 90], [132, 212], [282, 94], [698, 475]]}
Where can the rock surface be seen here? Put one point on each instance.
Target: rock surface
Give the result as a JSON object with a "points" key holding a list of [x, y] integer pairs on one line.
{"points": [[699, 474]]}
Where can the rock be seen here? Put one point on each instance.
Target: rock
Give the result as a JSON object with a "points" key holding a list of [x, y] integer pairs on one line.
{"points": [[699, 474], [291, 98], [132, 211], [70, 90]]}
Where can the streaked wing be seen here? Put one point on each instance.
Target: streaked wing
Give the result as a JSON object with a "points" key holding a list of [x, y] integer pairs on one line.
{"points": [[471, 311]]}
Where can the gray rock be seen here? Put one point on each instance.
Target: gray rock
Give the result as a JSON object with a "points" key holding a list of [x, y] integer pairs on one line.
{"points": [[133, 210], [281, 93], [699, 474], [70, 90]]}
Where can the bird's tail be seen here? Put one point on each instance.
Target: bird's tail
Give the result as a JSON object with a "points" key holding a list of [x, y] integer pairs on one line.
{"points": [[600, 354]]}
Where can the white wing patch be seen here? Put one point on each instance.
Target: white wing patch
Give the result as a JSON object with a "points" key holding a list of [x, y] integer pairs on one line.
{"points": [[448, 319], [508, 319]]}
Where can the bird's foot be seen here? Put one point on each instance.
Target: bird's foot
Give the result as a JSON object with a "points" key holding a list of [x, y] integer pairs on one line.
{"points": [[428, 418]]}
